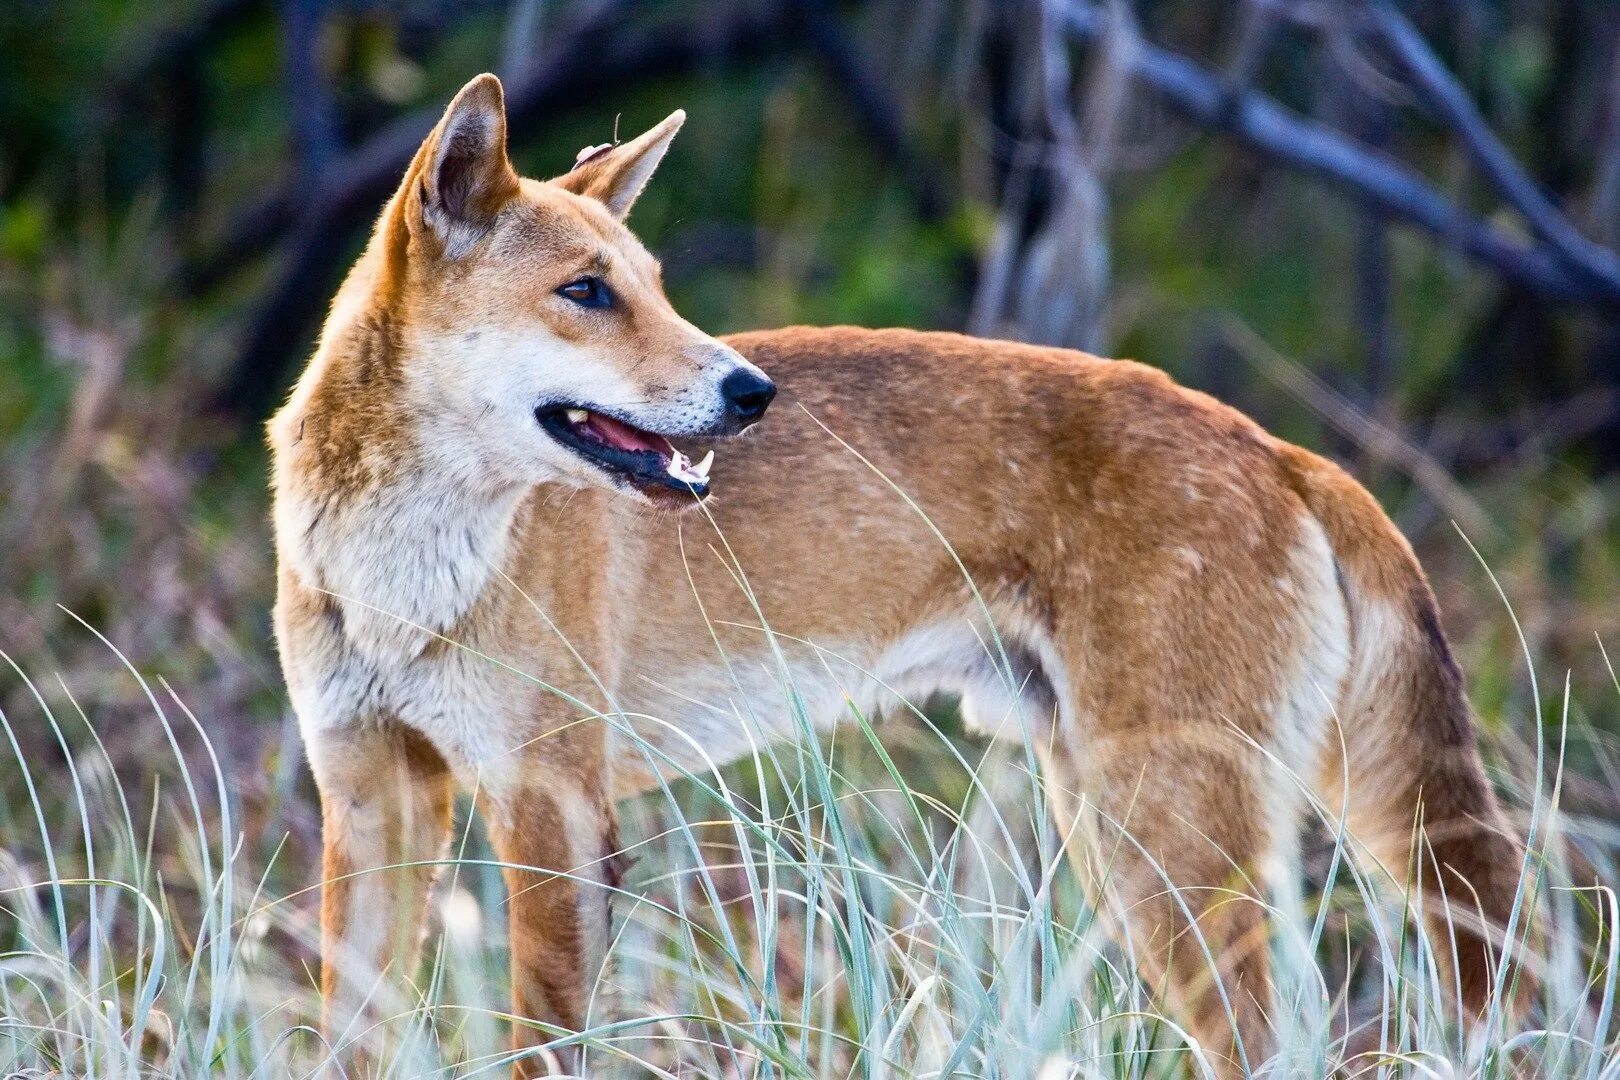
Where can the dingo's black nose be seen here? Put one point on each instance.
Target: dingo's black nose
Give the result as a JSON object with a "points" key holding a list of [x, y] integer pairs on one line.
{"points": [[747, 394]]}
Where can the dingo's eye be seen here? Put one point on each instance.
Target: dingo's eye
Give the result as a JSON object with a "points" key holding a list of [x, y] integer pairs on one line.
{"points": [[591, 292]]}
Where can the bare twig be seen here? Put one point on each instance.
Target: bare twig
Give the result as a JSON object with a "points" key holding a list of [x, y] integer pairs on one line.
{"points": [[1258, 122], [1380, 443]]}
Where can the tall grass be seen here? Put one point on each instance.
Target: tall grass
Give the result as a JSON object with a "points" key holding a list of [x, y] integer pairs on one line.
{"points": [[847, 907]]}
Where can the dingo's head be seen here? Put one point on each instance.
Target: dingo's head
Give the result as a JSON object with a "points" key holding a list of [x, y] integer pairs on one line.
{"points": [[532, 327]]}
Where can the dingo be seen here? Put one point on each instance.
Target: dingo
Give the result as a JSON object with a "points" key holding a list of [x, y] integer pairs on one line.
{"points": [[486, 460]]}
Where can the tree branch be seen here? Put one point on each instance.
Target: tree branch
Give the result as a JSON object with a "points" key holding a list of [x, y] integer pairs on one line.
{"points": [[1378, 441], [314, 113], [1451, 101], [1256, 121]]}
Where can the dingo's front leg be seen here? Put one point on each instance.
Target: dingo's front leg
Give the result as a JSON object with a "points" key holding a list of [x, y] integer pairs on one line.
{"points": [[385, 802], [558, 837]]}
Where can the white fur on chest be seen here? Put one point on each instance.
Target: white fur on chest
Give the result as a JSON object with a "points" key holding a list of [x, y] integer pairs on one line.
{"points": [[470, 708], [404, 564], [405, 561]]}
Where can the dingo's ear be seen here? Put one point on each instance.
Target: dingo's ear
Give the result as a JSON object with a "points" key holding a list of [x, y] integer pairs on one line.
{"points": [[615, 175], [463, 175]]}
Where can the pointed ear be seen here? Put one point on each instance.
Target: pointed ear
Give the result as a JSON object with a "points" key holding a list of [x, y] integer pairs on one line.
{"points": [[615, 175], [462, 176]]}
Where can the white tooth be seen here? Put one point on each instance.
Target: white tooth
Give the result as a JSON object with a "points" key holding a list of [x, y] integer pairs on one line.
{"points": [[682, 469], [577, 416]]}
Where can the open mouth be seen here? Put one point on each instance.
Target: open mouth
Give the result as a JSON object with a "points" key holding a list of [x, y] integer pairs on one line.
{"points": [[645, 459]]}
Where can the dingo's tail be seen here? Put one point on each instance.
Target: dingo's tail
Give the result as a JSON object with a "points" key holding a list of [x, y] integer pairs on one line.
{"points": [[1419, 801]]}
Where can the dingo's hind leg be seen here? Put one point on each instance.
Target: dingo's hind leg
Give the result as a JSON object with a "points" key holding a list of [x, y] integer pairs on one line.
{"points": [[1421, 806], [1173, 852]]}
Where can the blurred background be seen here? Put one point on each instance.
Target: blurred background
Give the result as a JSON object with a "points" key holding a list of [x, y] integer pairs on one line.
{"points": [[1385, 230]]}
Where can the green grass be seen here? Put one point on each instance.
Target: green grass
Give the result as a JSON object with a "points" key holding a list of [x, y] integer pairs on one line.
{"points": [[864, 906]]}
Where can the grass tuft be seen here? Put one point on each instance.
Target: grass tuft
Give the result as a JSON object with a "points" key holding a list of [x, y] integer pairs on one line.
{"points": [[854, 906]]}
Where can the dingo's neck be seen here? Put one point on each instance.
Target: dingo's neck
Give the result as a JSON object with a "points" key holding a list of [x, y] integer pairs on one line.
{"points": [[408, 550]]}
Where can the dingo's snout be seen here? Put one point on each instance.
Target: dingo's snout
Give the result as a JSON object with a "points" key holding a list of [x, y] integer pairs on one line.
{"points": [[747, 393], [634, 447]]}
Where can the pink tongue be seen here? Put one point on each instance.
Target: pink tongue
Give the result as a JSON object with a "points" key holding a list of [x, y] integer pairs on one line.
{"points": [[624, 436]]}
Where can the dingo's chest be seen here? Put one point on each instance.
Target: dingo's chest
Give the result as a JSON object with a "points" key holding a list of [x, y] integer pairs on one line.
{"points": [[474, 709]]}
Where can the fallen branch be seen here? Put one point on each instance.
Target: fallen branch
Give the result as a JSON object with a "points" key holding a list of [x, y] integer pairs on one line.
{"points": [[1204, 97]]}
